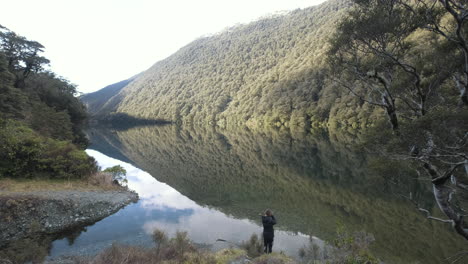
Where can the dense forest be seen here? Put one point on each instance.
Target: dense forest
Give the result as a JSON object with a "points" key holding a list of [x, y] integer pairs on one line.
{"points": [[41, 119], [269, 72]]}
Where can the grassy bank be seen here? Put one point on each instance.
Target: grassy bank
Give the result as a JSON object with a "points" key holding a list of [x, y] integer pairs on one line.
{"points": [[346, 248], [27, 185], [180, 249], [111, 179], [131, 254]]}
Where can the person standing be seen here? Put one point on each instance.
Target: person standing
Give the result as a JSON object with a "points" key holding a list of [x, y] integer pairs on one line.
{"points": [[268, 220]]}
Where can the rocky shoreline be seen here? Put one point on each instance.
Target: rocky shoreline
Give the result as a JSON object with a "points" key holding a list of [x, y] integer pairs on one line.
{"points": [[25, 214]]}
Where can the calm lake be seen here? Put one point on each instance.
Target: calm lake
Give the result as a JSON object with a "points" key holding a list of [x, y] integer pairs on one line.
{"points": [[213, 184]]}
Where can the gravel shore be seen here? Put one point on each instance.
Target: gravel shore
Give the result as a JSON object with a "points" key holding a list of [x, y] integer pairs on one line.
{"points": [[24, 214]]}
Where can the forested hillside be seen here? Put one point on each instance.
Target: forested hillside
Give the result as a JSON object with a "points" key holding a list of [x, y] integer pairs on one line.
{"points": [[41, 120], [95, 101], [269, 72]]}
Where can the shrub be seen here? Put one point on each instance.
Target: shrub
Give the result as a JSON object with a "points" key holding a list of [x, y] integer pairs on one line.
{"points": [[51, 123], [352, 248], [160, 239], [253, 246], [20, 148], [123, 255], [178, 249], [178, 246], [346, 248], [101, 179], [25, 154], [118, 173], [62, 159]]}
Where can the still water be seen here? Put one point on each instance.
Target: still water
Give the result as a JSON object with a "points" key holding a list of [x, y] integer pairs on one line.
{"points": [[161, 206], [213, 184]]}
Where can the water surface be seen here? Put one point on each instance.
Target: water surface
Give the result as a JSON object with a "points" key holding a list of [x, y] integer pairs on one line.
{"points": [[213, 184], [162, 207]]}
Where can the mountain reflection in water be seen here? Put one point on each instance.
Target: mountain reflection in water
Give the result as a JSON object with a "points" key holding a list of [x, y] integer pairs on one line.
{"points": [[162, 207], [311, 181]]}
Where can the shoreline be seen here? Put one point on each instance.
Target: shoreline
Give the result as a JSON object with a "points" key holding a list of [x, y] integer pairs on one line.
{"points": [[33, 213]]}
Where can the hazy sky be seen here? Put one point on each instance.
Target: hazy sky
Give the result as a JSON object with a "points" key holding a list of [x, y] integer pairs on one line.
{"points": [[94, 43]]}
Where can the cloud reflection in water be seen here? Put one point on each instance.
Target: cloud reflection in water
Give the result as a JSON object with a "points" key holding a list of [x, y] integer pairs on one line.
{"points": [[161, 206]]}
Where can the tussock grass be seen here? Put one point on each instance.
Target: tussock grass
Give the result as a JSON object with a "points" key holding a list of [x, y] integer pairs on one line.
{"points": [[122, 254], [273, 258], [102, 179], [253, 246], [178, 249]]}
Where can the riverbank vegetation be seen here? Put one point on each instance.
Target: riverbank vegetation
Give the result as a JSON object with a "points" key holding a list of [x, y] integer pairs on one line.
{"points": [[41, 119], [177, 251], [180, 249], [102, 180]]}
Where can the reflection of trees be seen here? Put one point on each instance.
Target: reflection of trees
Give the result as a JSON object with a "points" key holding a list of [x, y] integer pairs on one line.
{"points": [[33, 250], [311, 181], [36, 248]]}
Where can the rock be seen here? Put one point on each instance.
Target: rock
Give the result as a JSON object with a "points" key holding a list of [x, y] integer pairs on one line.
{"points": [[56, 211]]}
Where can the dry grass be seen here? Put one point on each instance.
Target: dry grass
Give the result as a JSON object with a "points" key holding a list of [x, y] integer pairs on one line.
{"points": [[253, 246], [273, 258], [102, 179], [178, 249], [123, 254], [98, 181]]}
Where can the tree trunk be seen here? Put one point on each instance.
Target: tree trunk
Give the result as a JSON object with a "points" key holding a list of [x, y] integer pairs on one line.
{"points": [[464, 96], [392, 116], [19, 83], [442, 195]]}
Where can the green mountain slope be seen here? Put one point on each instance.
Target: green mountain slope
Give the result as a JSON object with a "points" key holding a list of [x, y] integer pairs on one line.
{"points": [[96, 101], [269, 72]]}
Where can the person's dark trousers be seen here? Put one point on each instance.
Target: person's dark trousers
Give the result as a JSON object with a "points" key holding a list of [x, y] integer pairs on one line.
{"points": [[268, 243]]}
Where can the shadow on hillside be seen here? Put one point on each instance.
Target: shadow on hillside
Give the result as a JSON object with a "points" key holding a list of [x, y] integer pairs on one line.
{"points": [[122, 121]]}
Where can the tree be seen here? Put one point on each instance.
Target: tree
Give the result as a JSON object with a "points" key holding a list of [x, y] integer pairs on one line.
{"points": [[447, 18], [398, 55], [22, 55], [12, 101], [118, 173], [373, 54], [40, 117]]}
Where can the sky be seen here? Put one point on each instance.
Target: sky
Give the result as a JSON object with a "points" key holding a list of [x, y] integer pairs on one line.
{"points": [[94, 43]]}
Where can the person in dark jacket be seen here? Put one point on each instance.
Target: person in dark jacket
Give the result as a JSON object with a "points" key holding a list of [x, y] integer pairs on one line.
{"points": [[268, 220]]}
